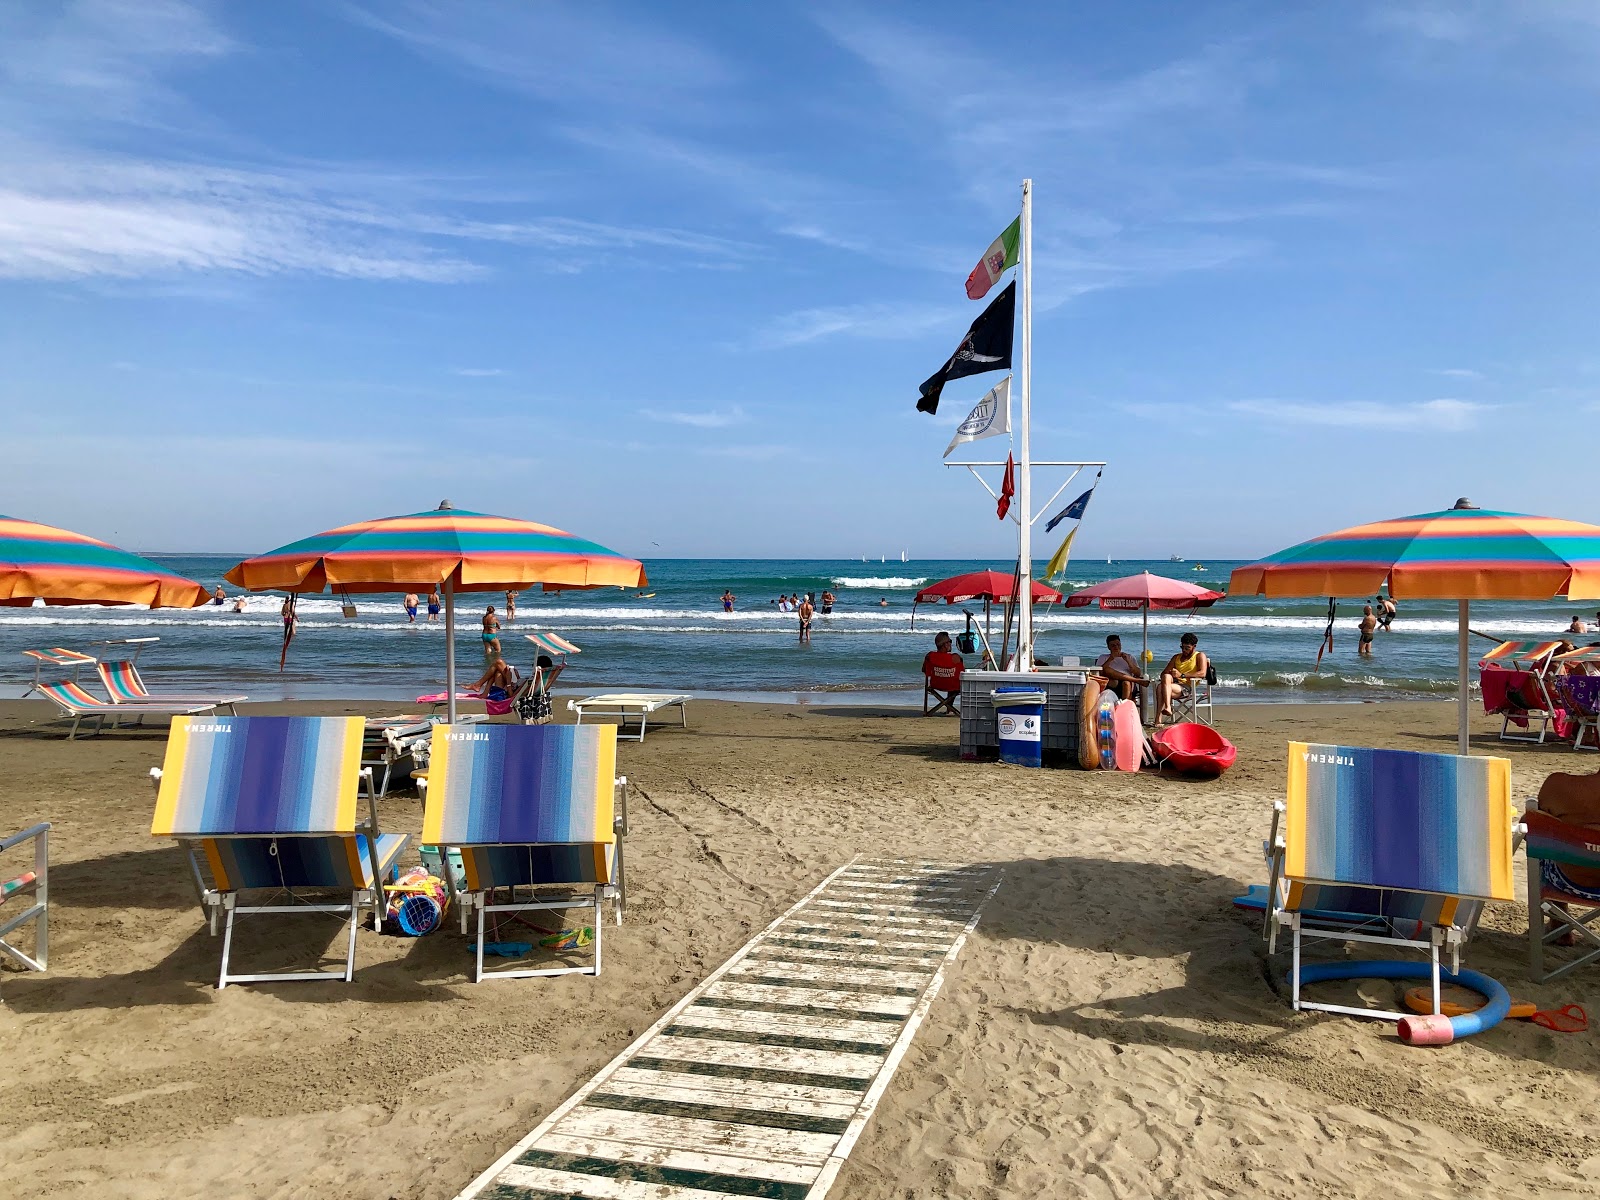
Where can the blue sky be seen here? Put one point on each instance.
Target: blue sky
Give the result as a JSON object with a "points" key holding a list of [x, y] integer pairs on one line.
{"points": [[668, 276]]}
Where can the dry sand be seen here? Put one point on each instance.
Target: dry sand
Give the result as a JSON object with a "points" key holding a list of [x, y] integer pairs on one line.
{"points": [[1112, 1030]]}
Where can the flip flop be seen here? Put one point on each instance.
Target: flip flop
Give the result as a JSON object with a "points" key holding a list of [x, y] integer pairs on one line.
{"points": [[1569, 1018]]}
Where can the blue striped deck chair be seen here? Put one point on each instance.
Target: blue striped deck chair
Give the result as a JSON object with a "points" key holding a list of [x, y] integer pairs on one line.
{"points": [[271, 803], [1390, 847], [535, 810]]}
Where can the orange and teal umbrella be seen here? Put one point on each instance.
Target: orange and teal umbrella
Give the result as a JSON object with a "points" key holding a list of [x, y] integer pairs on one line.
{"points": [[41, 562], [446, 548], [1463, 554]]}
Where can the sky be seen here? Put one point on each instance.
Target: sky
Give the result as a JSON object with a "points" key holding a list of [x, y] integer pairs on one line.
{"points": [[669, 276]]}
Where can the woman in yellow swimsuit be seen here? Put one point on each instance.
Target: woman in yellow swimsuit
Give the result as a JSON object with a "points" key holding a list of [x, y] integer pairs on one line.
{"points": [[1182, 669]]}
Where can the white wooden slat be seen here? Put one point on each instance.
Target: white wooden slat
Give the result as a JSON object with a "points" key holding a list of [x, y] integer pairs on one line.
{"points": [[766, 993], [772, 1058], [865, 956], [786, 969], [825, 929], [598, 1186], [790, 1024], [683, 1160], [750, 1093], [706, 1137], [688, 1093]]}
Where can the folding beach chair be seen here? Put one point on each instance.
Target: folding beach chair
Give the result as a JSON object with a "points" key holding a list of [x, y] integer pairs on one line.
{"points": [[1526, 688], [76, 703], [1389, 847], [1580, 696], [58, 659], [124, 686], [535, 807], [271, 803], [1194, 702], [941, 683], [1560, 906], [18, 889], [389, 740]]}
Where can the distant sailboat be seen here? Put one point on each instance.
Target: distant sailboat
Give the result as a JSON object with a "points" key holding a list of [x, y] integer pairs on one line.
{"points": [[903, 557]]}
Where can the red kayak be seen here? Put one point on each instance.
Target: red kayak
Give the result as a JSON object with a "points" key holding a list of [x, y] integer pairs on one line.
{"points": [[1194, 749]]}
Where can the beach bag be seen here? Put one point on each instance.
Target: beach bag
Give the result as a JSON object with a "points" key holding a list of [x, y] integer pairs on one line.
{"points": [[534, 706], [496, 702]]}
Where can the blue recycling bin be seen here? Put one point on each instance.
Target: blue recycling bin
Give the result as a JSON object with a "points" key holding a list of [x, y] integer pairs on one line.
{"points": [[1019, 723]]}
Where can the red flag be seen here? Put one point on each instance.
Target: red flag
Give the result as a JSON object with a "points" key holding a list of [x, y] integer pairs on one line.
{"points": [[1008, 488]]}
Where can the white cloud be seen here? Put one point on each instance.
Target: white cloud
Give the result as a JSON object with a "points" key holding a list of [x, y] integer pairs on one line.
{"points": [[877, 321], [1444, 415], [758, 453], [478, 372], [698, 420], [1459, 373]]}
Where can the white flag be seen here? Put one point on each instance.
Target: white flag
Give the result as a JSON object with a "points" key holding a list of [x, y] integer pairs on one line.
{"points": [[991, 417]]}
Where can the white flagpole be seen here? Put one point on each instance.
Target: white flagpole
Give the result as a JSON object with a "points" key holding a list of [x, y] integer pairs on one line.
{"points": [[1024, 485]]}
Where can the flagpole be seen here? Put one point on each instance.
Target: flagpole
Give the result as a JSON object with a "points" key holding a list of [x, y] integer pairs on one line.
{"points": [[1024, 487]]}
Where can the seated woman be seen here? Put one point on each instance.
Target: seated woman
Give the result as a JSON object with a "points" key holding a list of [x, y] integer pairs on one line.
{"points": [[533, 697], [1122, 673], [1180, 673], [495, 685]]}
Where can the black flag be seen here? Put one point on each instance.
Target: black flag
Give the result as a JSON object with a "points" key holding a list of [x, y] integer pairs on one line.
{"points": [[987, 347]]}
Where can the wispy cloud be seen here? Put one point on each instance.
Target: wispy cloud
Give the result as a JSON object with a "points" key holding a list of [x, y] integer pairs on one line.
{"points": [[1459, 373], [698, 420], [1444, 415], [478, 372], [751, 453], [875, 321]]}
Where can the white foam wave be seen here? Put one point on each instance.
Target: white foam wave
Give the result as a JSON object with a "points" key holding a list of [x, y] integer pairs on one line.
{"points": [[884, 582]]}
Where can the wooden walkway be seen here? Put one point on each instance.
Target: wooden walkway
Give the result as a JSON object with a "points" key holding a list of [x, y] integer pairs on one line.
{"points": [[759, 1082]]}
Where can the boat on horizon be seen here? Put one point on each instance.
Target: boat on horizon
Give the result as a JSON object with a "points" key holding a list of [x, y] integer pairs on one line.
{"points": [[1174, 558]]}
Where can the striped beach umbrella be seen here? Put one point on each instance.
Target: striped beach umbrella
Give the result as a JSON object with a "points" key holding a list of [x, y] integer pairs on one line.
{"points": [[1463, 554], [41, 562], [447, 548]]}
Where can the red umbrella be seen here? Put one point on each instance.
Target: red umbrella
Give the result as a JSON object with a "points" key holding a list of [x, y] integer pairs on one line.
{"points": [[1144, 591], [992, 587]]}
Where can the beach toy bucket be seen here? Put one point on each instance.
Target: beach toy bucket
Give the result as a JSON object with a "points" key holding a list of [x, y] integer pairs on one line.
{"points": [[417, 902], [433, 859], [1019, 722]]}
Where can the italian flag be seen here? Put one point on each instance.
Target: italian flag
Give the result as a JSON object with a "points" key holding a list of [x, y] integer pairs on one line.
{"points": [[996, 260]]}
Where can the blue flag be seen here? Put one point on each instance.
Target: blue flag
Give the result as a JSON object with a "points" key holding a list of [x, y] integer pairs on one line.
{"points": [[1072, 512]]}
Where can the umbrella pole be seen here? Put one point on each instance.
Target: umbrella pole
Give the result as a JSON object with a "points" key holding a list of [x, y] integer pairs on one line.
{"points": [[1461, 667], [1144, 657], [450, 651]]}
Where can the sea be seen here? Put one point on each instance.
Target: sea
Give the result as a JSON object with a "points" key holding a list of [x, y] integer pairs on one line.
{"points": [[674, 635]]}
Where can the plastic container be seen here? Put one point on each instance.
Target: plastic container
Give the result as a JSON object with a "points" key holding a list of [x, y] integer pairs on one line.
{"points": [[1019, 724], [434, 861]]}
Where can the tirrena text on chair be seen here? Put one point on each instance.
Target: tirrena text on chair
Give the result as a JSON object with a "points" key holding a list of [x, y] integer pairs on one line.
{"points": [[272, 803], [536, 807]]}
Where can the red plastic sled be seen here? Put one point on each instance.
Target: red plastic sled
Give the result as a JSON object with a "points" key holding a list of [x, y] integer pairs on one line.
{"points": [[1194, 749]]}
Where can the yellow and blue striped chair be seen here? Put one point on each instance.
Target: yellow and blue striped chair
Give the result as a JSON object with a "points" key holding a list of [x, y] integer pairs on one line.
{"points": [[272, 803], [535, 807], [1390, 847]]}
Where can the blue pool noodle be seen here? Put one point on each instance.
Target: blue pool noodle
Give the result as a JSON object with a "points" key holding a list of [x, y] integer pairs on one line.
{"points": [[1424, 1030]]}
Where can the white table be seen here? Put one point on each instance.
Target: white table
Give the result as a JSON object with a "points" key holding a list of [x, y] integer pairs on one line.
{"points": [[623, 705]]}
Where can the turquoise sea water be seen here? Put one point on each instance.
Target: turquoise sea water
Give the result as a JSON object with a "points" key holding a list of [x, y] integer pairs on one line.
{"points": [[676, 635]]}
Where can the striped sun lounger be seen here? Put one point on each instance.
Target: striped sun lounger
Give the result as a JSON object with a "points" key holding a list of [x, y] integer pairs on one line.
{"points": [[624, 705], [272, 803], [124, 686], [553, 643], [76, 703], [529, 806], [58, 659], [1390, 847]]}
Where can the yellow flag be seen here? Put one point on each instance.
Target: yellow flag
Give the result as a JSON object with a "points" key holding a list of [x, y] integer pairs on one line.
{"points": [[1058, 561]]}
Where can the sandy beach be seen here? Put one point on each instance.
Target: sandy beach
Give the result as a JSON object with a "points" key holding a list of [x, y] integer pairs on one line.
{"points": [[1112, 1029]]}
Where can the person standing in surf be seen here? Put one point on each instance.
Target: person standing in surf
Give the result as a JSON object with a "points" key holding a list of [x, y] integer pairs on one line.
{"points": [[491, 635], [433, 606], [511, 607], [727, 600], [806, 613], [827, 603], [411, 608]]}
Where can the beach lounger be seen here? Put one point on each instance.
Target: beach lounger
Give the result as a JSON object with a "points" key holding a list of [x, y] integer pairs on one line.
{"points": [[76, 703], [1522, 694], [389, 740], [535, 808], [124, 686], [1563, 832], [58, 659], [623, 705], [18, 889], [1387, 847], [1580, 696], [271, 803]]}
